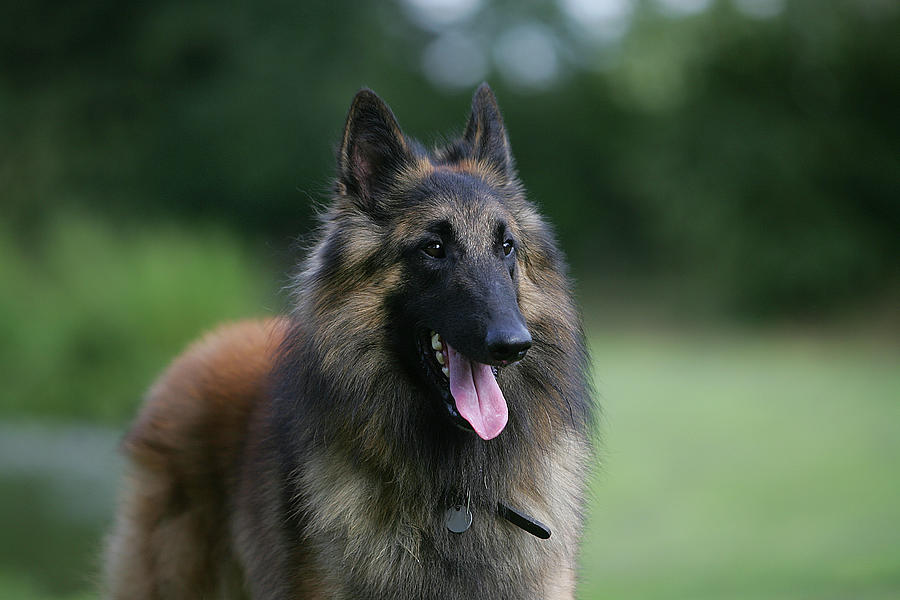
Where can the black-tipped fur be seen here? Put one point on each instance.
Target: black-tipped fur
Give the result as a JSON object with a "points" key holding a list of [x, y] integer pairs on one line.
{"points": [[314, 457], [373, 151]]}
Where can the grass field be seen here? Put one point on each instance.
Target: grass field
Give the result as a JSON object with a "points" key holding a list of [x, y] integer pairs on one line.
{"points": [[738, 466], [745, 467]]}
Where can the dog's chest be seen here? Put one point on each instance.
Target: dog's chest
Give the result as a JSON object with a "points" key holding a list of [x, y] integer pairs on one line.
{"points": [[378, 539], [490, 559], [378, 547]]}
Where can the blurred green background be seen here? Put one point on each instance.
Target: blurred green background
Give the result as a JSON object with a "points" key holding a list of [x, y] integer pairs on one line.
{"points": [[724, 176]]}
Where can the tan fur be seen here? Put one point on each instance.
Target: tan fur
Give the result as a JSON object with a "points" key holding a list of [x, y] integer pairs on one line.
{"points": [[478, 168], [170, 541], [258, 470]]}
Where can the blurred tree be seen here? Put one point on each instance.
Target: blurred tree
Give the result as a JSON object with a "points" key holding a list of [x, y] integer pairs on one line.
{"points": [[749, 145]]}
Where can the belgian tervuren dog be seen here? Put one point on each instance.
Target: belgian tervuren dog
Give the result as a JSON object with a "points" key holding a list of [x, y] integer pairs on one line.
{"points": [[418, 427]]}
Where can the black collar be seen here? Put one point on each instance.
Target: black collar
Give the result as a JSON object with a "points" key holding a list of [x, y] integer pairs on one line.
{"points": [[523, 521]]}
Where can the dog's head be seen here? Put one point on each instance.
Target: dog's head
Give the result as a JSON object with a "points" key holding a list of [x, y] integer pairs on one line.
{"points": [[446, 236]]}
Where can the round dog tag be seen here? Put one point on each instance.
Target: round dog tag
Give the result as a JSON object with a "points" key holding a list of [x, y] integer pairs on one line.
{"points": [[458, 519]]}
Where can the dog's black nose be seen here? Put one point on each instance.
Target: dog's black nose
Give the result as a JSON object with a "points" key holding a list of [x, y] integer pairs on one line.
{"points": [[508, 344]]}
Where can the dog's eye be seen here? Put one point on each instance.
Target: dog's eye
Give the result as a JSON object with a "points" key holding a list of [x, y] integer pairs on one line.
{"points": [[434, 250], [508, 247]]}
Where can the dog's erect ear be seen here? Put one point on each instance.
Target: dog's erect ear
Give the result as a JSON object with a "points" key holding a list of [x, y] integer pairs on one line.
{"points": [[485, 132], [373, 150]]}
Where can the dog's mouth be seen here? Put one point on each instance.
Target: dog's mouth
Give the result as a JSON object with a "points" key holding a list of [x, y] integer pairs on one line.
{"points": [[468, 388]]}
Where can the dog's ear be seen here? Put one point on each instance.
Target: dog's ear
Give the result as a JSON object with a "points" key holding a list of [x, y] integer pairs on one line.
{"points": [[373, 150], [486, 134]]}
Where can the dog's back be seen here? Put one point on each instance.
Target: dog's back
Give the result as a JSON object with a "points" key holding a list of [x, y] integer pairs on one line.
{"points": [[171, 539]]}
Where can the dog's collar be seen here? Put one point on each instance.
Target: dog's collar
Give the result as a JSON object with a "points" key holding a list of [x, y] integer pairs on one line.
{"points": [[523, 521], [459, 518]]}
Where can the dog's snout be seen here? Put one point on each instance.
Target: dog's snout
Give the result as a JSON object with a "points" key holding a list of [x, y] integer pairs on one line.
{"points": [[508, 344]]}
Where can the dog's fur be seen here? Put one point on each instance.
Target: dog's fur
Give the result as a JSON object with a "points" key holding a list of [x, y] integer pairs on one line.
{"points": [[311, 457]]}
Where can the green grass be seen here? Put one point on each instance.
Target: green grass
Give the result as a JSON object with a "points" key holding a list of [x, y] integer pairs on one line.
{"points": [[745, 467]]}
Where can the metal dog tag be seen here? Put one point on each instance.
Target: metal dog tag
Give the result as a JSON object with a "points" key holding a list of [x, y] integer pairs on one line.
{"points": [[458, 519]]}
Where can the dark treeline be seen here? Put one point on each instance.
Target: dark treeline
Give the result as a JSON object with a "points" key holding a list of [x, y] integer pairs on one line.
{"points": [[760, 156]]}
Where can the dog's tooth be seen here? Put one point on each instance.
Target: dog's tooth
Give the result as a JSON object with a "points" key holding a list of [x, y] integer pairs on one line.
{"points": [[440, 357], [445, 371], [436, 342]]}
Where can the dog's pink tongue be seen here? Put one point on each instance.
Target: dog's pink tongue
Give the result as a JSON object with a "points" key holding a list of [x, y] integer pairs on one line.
{"points": [[477, 395]]}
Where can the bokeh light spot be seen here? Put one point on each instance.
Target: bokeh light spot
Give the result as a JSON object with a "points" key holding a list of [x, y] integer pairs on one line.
{"points": [[604, 20], [527, 56], [438, 14], [682, 8], [759, 9], [454, 60]]}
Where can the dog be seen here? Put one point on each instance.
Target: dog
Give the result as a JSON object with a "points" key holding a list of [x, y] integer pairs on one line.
{"points": [[418, 426]]}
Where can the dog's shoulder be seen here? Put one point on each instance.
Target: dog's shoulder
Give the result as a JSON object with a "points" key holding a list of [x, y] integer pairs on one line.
{"points": [[202, 401]]}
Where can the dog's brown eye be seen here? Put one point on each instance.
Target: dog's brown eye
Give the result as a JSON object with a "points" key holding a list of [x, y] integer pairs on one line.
{"points": [[434, 250], [507, 247]]}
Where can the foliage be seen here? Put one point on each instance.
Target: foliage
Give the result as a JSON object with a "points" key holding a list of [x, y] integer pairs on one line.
{"points": [[756, 156], [96, 313]]}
